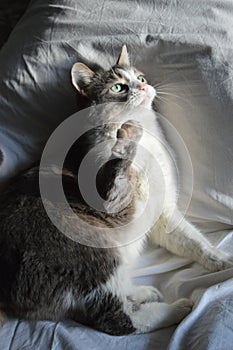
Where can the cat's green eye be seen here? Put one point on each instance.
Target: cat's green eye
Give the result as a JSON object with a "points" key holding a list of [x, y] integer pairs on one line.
{"points": [[118, 88], [141, 78]]}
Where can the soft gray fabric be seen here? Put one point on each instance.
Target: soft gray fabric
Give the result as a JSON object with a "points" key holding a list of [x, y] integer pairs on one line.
{"points": [[10, 12], [210, 324], [186, 43], [70, 336], [208, 327]]}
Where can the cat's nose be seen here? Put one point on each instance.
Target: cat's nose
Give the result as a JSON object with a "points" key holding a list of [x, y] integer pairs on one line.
{"points": [[142, 87]]}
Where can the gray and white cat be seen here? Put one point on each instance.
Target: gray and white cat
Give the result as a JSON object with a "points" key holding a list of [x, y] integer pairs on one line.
{"points": [[46, 275]]}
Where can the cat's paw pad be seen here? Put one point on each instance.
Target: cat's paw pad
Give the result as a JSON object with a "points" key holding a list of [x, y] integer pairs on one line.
{"points": [[182, 307], [145, 294], [128, 136], [217, 260], [131, 130]]}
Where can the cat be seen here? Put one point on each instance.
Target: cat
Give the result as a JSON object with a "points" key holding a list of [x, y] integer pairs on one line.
{"points": [[46, 275]]}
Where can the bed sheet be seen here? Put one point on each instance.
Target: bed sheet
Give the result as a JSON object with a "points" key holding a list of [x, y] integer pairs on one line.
{"points": [[209, 326], [185, 46], [173, 42]]}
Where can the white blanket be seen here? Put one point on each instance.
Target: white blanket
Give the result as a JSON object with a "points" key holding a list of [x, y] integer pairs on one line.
{"points": [[185, 44]]}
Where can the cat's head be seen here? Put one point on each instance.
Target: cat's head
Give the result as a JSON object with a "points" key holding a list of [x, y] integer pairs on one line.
{"points": [[122, 83]]}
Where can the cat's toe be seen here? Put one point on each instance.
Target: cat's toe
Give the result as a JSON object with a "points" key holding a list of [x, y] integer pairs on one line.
{"points": [[119, 150], [122, 134], [133, 130], [217, 260], [127, 138], [145, 294]]}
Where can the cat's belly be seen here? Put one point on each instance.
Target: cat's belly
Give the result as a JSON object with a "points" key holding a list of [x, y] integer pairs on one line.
{"points": [[154, 159], [156, 189]]}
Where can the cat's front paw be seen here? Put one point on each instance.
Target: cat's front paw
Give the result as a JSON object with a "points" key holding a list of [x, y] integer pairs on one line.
{"points": [[145, 294], [128, 136], [217, 260]]}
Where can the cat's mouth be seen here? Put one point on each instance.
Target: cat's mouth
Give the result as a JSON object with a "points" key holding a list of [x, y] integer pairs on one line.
{"points": [[146, 97]]}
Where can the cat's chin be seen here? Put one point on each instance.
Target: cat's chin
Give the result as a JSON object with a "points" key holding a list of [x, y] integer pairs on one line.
{"points": [[146, 103], [148, 98]]}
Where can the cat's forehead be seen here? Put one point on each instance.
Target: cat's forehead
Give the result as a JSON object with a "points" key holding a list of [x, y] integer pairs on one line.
{"points": [[126, 73]]}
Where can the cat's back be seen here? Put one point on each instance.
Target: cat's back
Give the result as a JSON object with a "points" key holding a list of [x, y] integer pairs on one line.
{"points": [[26, 226], [32, 247]]}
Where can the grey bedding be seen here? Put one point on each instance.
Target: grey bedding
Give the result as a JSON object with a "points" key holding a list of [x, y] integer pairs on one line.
{"points": [[185, 45], [208, 327]]}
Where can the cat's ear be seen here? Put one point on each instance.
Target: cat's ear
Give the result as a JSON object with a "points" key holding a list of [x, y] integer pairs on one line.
{"points": [[81, 76], [123, 59]]}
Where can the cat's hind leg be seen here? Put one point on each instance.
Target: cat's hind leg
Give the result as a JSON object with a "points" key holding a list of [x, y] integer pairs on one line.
{"points": [[187, 241], [145, 294], [152, 316], [119, 308], [116, 316]]}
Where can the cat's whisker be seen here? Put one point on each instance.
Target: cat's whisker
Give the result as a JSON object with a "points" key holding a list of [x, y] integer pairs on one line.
{"points": [[164, 100], [158, 98], [133, 98], [176, 96], [171, 87], [170, 94], [176, 85], [173, 74], [160, 85], [161, 99], [167, 80]]}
